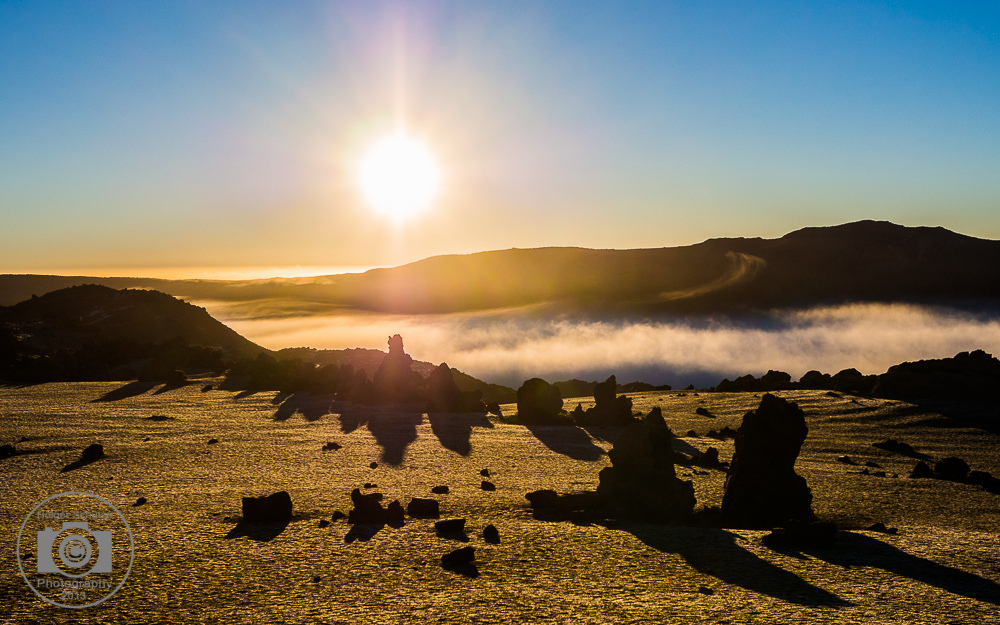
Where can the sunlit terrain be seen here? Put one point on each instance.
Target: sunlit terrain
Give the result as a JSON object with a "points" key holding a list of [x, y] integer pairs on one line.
{"points": [[193, 563]]}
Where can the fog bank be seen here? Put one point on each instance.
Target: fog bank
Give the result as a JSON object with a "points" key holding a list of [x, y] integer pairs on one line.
{"points": [[508, 348]]}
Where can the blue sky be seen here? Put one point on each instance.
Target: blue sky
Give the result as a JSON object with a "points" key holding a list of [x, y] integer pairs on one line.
{"points": [[193, 135]]}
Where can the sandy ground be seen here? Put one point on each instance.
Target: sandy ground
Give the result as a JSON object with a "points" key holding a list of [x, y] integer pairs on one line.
{"points": [[194, 563]]}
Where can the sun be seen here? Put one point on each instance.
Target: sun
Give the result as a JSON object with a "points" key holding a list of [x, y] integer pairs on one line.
{"points": [[399, 176]]}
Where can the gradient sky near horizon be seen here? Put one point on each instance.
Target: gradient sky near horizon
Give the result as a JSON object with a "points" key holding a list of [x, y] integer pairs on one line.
{"points": [[200, 135]]}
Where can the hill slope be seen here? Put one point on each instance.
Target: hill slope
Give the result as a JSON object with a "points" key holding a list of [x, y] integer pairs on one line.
{"points": [[863, 261]]}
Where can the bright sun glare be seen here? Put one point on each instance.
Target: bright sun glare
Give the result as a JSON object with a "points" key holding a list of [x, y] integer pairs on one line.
{"points": [[398, 176]]}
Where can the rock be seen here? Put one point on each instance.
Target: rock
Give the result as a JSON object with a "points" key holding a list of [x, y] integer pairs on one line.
{"points": [[692, 434], [484, 472], [921, 470], [873, 465], [493, 408], [701, 410], [367, 508], [440, 490], [952, 469], [709, 459], [610, 409], [212, 441], [369, 485], [276, 508], [395, 381], [337, 515], [315, 579], [968, 375], [541, 499], [491, 535], [394, 514], [538, 401], [138, 502], [6, 451], [206, 388], [459, 557], [423, 508], [373, 465], [846, 460], [705, 590], [486, 485], [450, 526], [880, 527], [642, 484], [323, 523], [865, 471], [331, 446], [762, 489], [897, 447], [92, 453]]}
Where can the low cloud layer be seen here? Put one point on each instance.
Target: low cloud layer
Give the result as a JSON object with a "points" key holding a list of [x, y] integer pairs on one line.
{"points": [[509, 348]]}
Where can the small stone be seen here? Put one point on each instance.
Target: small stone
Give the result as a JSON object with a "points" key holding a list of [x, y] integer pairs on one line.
{"points": [[323, 522], [706, 590], [373, 465], [370, 485], [139, 502], [337, 515], [91, 453], [315, 579], [450, 526], [484, 472], [212, 441], [488, 485], [459, 557], [440, 490], [331, 446], [423, 508], [491, 535]]}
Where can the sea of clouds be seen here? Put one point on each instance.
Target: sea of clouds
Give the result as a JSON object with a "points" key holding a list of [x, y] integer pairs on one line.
{"points": [[509, 347]]}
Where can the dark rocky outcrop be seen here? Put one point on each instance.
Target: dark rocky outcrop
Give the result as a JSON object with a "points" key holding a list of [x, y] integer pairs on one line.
{"points": [[459, 557], [762, 489], [898, 447], [276, 508], [921, 470], [487, 485], [443, 394], [6, 451], [642, 483], [423, 508], [92, 453], [440, 490], [952, 469], [609, 408], [491, 534], [538, 402], [368, 510], [395, 382], [450, 527], [967, 375]]}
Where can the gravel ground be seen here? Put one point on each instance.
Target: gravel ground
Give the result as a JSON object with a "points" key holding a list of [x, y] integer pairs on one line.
{"points": [[195, 562]]}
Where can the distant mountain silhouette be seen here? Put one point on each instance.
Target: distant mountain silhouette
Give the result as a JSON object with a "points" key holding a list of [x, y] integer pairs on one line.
{"points": [[863, 261]]}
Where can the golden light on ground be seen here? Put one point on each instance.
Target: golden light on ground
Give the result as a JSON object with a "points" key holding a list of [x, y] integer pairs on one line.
{"points": [[399, 176]]}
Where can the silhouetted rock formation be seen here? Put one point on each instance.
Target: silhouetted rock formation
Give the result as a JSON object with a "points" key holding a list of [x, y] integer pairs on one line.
{"points": [[276, 508], [450, 527], [974, 375], [762, 489], [952, 469], [395, 381], [609, 408], [921, 470], [443, 394], [491, 535], [538, 402], [368, 510], [898, 447], [6, 451], [641, 483], [770, 381]]}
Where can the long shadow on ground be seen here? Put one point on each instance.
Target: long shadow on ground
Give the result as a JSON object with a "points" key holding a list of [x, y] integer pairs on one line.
{"points": [[568, 440], [716, 552], [261, 532], [454, 431], [859, 550], [132, 389], [393, 428], [311, 407]]}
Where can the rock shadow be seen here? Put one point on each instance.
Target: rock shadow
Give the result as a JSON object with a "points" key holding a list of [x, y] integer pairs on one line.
{"points": [[166, 388], [311, 407], [76, 464], [132, 389], [568, 440], [716, 552], [454, 430], [261, 532], [393, 428], [853, 549], [955, 413], [362, 532]]}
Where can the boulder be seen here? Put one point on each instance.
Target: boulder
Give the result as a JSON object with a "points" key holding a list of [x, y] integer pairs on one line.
{"points": [[440, 490], [762, 489], [450, 526], [92, 453], [487, 485], [952, 469], [459, 557], [276, 508], [610, 409], [538, 401], [641, 484], [6, 451], [395, 381], [367, 508], [921, 470], [491, 535], [423, 508]]}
